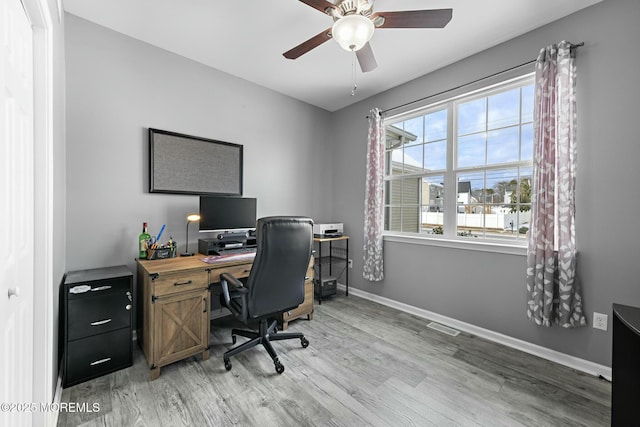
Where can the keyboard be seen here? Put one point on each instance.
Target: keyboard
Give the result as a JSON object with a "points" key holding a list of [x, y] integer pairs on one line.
{"points": [[247, 255], [235, 251]]}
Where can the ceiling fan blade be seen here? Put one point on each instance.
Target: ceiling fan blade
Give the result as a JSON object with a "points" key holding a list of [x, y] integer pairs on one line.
{"points": [[305, 47], [321, 5], [366, 59], [434, 18]]}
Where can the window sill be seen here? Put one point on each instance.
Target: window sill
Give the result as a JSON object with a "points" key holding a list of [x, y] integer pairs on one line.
{"points": [[484, 246]]}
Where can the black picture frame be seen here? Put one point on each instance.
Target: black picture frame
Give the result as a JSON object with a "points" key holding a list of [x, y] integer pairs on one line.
{"points": [[187, 164]]}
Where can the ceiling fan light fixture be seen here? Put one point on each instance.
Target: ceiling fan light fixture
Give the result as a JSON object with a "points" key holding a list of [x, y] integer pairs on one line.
{"points": [[352, 32]]}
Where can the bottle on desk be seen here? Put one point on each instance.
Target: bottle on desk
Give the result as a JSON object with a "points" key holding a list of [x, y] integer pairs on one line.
{"points": [[143, 241]]}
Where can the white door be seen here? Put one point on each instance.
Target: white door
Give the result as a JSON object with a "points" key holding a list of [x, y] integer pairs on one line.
{"points": [[16, 213]]}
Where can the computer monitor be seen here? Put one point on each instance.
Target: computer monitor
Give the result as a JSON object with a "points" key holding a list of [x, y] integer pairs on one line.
{"points": [[226, 214]]}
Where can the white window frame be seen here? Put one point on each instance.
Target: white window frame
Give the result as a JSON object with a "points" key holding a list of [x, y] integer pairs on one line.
{"points": [[449, 238]]}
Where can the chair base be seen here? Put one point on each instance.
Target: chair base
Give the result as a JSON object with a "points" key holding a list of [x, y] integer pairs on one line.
{"points": [[266, 333]]}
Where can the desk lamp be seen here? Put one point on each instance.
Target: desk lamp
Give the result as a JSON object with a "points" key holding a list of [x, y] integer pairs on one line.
{"points": [[190, 218]]}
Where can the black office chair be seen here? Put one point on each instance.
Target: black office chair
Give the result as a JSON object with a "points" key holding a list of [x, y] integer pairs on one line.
{"points": [[275, 283]]}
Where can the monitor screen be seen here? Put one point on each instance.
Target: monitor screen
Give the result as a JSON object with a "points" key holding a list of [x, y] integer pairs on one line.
{"points": [[219, 213]]}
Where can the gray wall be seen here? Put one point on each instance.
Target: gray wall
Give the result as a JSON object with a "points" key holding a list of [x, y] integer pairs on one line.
{"points": [[118, 87], [487, 289]]}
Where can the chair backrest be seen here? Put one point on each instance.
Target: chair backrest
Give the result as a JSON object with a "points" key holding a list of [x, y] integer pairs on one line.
{"points": [[276, 281]]}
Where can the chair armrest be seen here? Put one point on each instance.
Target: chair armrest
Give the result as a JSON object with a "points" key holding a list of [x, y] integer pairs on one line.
{"points": [[233, 281], [234, 290]]}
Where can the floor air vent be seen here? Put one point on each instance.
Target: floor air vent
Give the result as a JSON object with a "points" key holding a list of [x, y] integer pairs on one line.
{"points": [[444, 329]]}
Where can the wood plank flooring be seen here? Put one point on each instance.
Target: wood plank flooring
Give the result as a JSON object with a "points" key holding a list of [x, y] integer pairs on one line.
{"points": [[367, 365]]}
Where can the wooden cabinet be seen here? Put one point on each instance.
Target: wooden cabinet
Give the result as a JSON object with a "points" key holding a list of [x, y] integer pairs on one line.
{"points": [[182, 326], [173, 310], [96, 322], [304, 309]]}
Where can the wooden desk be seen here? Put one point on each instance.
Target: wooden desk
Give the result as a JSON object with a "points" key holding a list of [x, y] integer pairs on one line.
{"points": [[173, 305]]}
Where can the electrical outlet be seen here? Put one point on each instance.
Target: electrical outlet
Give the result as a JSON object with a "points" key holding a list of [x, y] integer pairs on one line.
{"points": [[350, 263], [600, 321]]}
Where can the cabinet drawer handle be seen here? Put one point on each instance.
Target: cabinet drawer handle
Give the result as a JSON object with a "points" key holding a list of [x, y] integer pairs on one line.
{"points": [[188, 282], [100, 322], [101, 288], [98, 362], [80, 289]]}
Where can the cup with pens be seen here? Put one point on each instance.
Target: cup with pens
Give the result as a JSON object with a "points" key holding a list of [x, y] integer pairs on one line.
{"points": [[157, 250]]}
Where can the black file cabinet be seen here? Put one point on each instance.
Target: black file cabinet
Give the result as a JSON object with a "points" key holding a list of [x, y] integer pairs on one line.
{"points": [[96, 323]]}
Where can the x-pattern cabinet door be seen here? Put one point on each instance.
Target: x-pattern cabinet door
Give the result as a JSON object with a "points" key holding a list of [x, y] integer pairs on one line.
{"points": [[182, 326]]}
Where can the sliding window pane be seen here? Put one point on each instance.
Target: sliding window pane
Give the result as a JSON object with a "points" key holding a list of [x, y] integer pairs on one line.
{"points": [[472, 116], [527, 104], [526, 142], [471, 209], [503, 183], [525, 188], [414, 131], [504, 109], [397, 164], [502, 145], [435, 126], [413, 159], [393, 136], [435, 156], [393, 218], [393, 193], [432, 204], [471, 150]]}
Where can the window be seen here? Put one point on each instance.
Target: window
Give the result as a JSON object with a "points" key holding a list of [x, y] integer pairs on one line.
{"points": [[462, 168]]}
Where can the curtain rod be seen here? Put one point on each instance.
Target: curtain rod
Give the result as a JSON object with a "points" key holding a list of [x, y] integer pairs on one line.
{"points": [[573, 46]]}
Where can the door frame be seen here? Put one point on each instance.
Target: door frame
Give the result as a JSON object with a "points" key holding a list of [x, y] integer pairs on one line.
{"points": [[45, 374]]}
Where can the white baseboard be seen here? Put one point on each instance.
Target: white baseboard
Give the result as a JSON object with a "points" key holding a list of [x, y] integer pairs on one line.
{"points": [[527, 347]]}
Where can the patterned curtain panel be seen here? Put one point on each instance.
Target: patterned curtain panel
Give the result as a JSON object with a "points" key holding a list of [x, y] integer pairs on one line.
{"points": [[553, 294], [373, 202]]}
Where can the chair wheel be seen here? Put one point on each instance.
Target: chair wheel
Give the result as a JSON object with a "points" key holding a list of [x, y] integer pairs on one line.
{"points": [[227, 364], [279, 367], [304, 342]]}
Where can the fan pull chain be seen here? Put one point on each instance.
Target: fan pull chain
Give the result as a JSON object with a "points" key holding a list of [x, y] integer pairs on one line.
{"points": [[353, 74]]}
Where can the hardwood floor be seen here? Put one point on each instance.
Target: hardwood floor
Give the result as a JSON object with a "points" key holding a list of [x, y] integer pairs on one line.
{"points": [[367, 364]]}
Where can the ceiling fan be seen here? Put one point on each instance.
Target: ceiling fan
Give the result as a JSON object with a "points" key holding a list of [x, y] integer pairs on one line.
{"points": [[355, 22]]}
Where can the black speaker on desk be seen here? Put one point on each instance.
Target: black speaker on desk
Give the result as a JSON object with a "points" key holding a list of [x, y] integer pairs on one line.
{"points": [[207, 246], [217, 246]]}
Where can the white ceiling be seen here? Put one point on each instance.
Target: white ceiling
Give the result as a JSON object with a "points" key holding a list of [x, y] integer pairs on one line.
{"points": [[246, 38]]}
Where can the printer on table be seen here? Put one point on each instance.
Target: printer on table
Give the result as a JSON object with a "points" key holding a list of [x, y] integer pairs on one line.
{"points": [[328, 230]]}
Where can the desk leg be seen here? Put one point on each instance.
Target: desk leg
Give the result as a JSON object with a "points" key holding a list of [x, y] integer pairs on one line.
{"points": [[347, 269], [205, 355], [330, 257], [155, 373], [320, 273]]}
